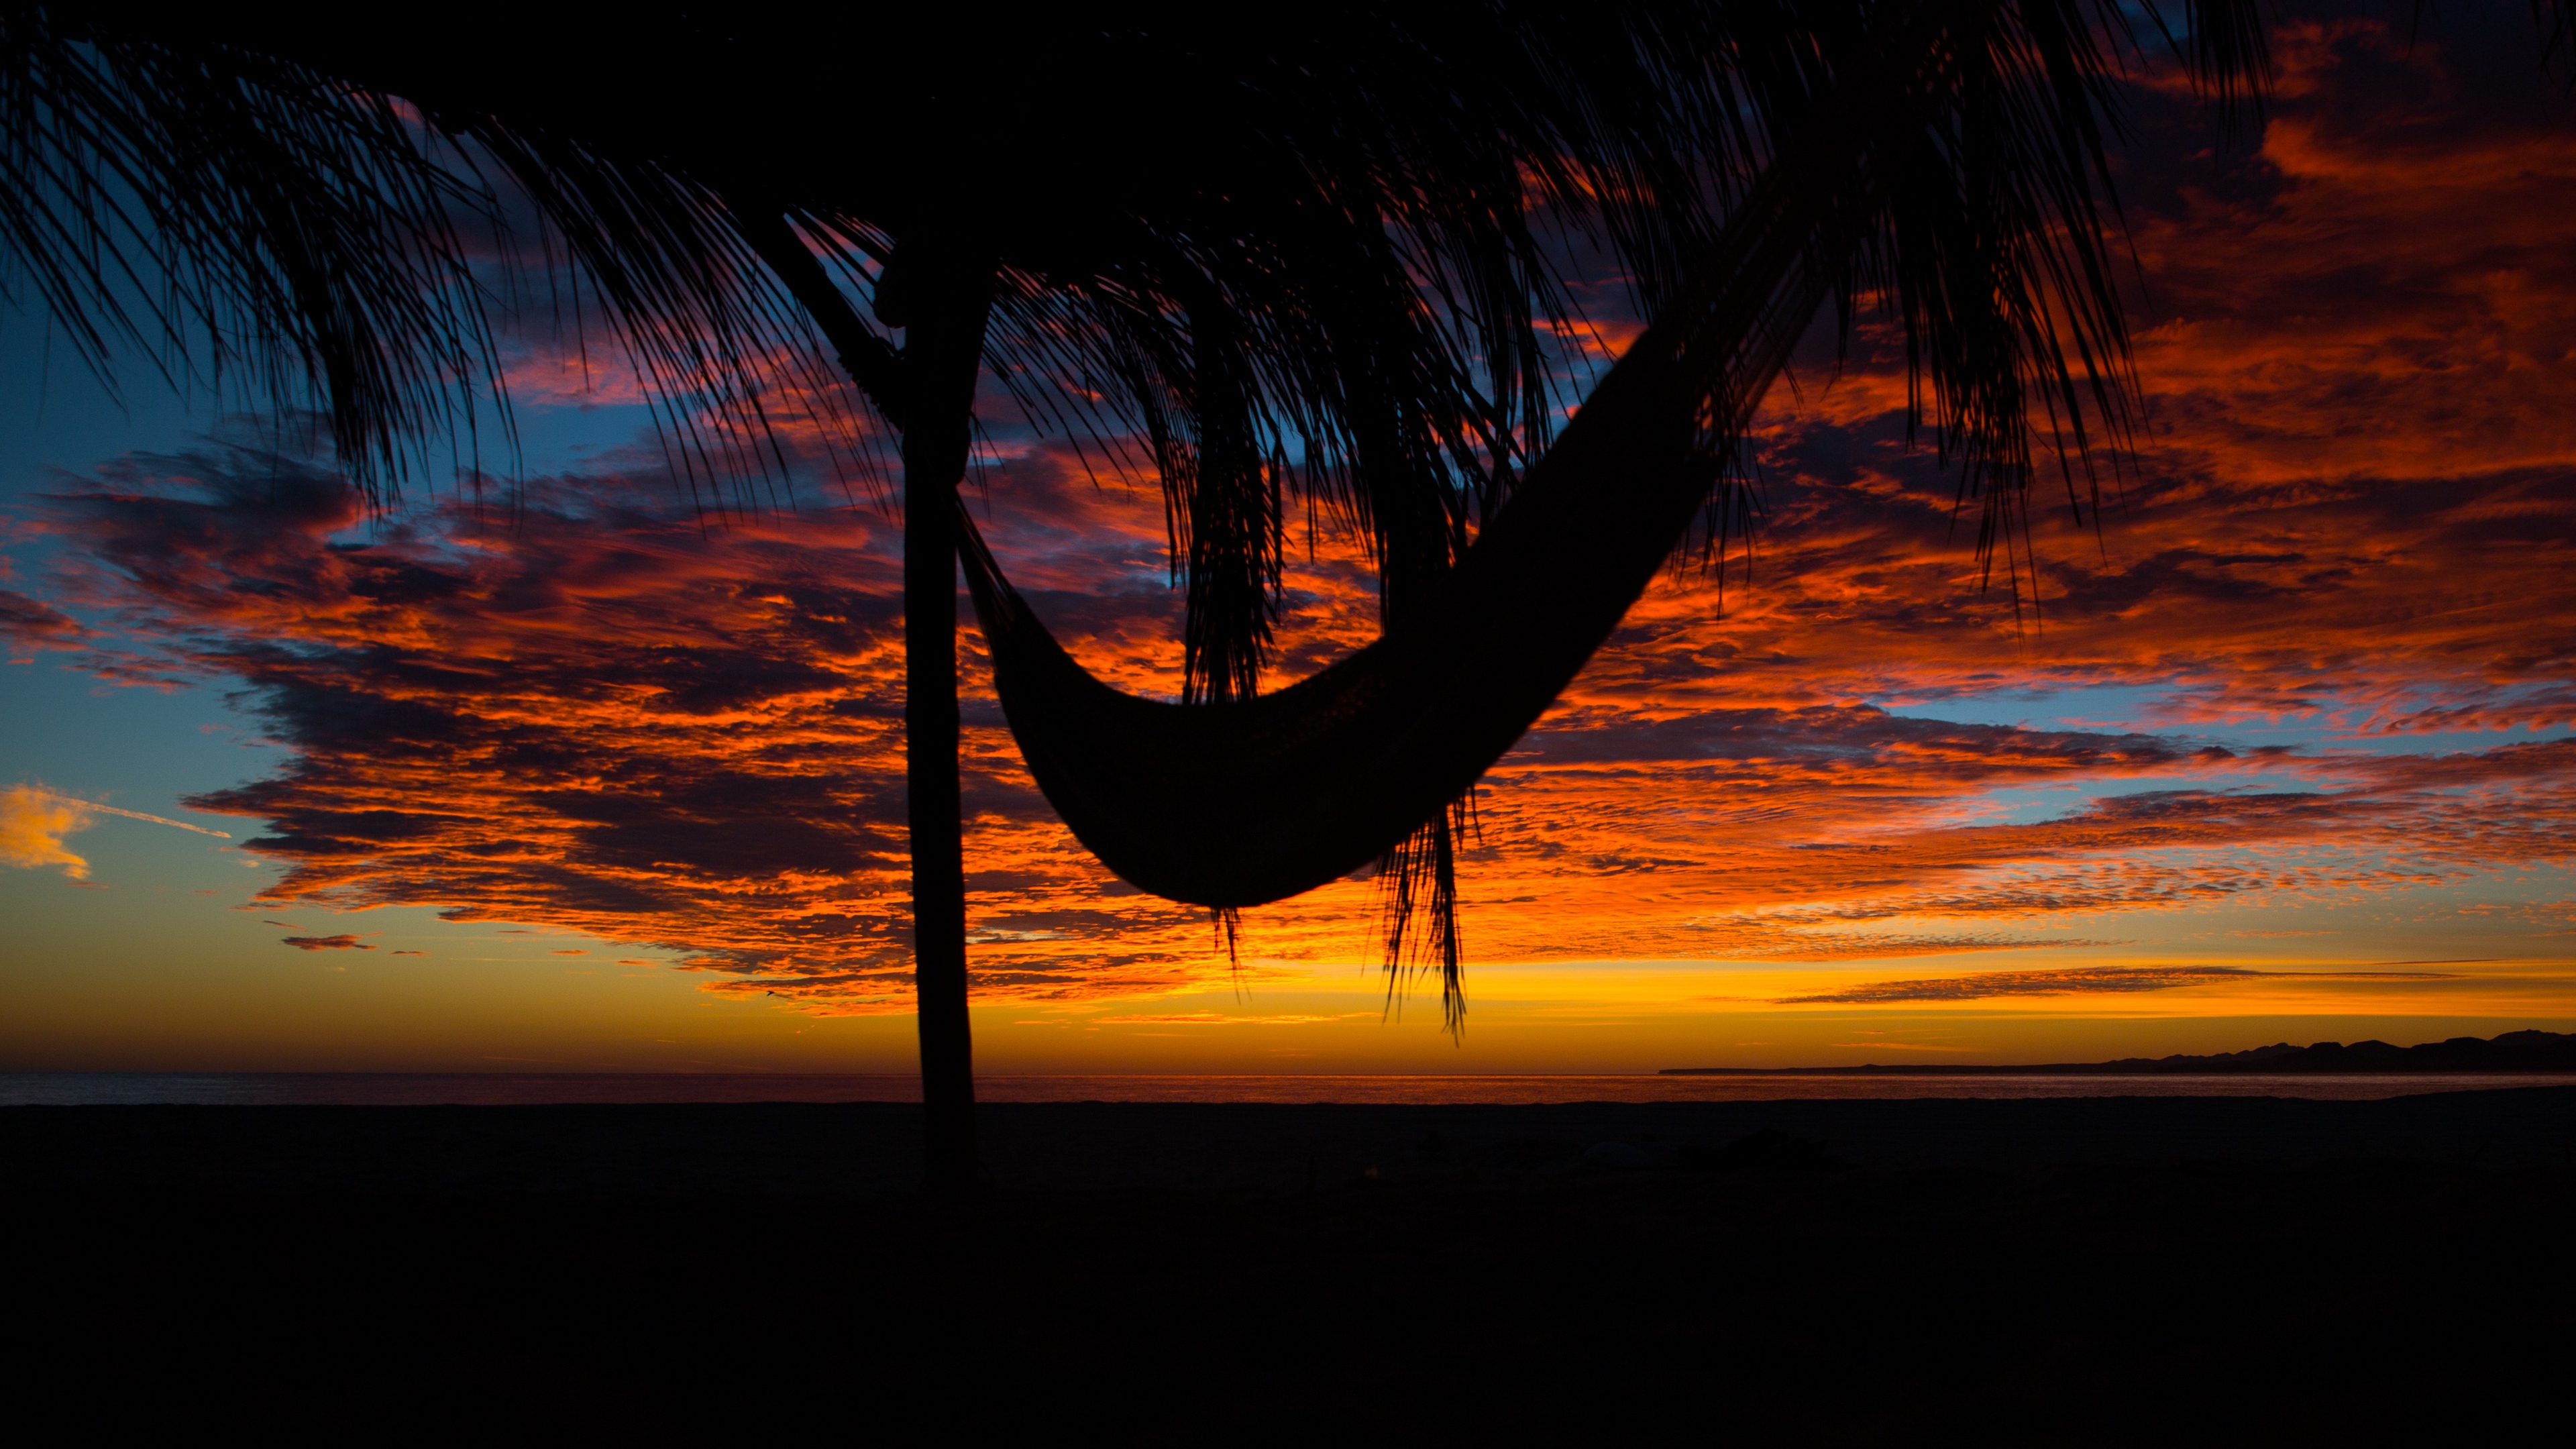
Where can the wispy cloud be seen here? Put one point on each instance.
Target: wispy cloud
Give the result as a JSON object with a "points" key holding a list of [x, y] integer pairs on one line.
{"points": [[2081, 980], [92, 807]]}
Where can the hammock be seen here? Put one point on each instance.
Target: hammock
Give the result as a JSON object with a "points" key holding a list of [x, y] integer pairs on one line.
{"points": [[1241, 803]]}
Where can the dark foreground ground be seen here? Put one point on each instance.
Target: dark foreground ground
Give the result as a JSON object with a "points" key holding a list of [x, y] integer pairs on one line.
{"points": [[2139, 1270]]}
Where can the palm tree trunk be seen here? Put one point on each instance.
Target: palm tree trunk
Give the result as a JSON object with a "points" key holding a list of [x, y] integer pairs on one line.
{"points": [[929, 392], [942, 354]]}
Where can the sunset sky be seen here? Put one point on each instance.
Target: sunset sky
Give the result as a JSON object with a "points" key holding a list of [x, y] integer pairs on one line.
{"points": [[578, 773]]}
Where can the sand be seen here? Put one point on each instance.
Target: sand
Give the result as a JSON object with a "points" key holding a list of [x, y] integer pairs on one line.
{"points": [[2132, 1270]]}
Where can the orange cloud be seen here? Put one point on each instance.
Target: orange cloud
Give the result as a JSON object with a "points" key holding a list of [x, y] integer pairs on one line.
{"points": [[33, 823], [659, 734]]}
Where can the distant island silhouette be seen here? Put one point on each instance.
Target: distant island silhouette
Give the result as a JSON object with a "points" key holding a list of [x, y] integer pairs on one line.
{"points": [[2515, 1051]]}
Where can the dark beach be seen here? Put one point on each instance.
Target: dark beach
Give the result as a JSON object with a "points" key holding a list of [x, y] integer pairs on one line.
{"points": [[2088, 1270]]}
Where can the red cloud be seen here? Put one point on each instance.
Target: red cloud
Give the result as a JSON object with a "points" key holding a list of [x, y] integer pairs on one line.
{"points": [[26, 624]]}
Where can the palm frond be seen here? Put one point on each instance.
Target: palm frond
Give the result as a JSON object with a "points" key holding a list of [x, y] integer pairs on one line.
{"points": [[255, 194], [2556, 22], [244, 223]]}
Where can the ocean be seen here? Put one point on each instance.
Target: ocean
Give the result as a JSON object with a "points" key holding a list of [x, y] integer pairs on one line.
{"points": [[406, 1089]]}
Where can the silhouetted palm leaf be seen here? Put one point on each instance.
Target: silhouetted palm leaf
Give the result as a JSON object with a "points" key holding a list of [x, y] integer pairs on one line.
{"points": [[239, 215]]}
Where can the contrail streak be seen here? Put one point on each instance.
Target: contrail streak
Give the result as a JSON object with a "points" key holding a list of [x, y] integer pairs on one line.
{"points": [[77, 802]]}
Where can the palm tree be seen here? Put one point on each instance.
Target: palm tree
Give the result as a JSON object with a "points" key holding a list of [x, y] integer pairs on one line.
{"points": [[1314, 262]]}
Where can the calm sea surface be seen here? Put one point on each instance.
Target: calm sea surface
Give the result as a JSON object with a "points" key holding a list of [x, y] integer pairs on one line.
{"points": [[396, 1089]]}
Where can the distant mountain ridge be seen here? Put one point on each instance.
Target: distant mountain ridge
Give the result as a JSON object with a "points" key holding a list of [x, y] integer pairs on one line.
{"points": [[2515, 1051]]}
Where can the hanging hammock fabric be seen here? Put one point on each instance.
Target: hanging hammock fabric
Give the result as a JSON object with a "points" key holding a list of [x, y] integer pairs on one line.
{"points": [[1241, 803]]}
